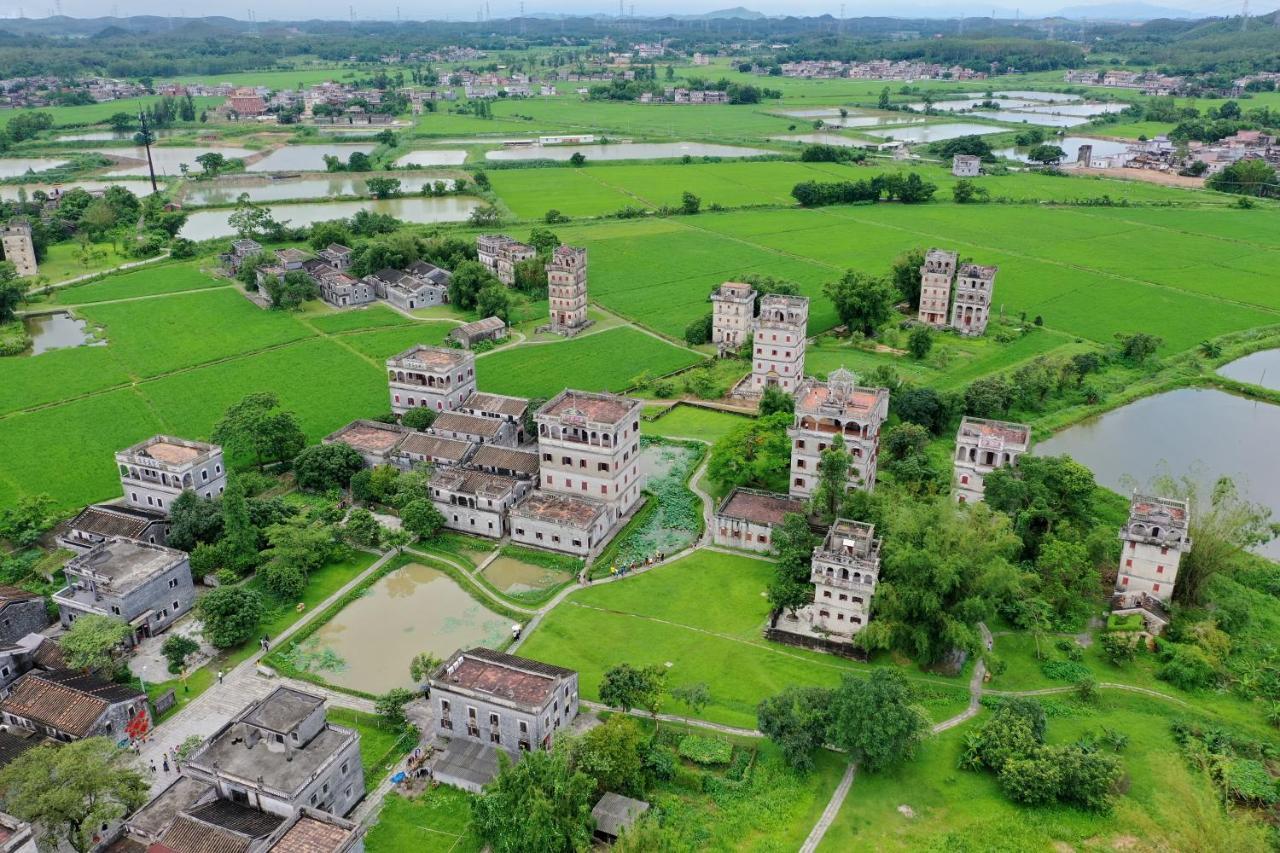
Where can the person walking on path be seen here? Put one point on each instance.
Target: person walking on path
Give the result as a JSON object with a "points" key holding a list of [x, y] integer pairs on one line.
{"points": [[219, 677], [165, 762]]}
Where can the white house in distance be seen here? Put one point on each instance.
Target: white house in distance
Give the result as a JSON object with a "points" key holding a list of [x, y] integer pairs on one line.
{"points": [[154, 472], [966, 166], [982, 446], [733, 306], [431, 376], [935, 286]]}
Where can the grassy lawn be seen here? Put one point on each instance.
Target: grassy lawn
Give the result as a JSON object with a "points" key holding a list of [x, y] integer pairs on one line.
{"points": [[1025, 672], [682, 421], [322, 583], [703, 614], [65, 260], [438, 821], [381, 745], [952, 809]]}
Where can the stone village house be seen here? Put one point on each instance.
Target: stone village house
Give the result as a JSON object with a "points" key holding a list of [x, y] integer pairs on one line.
{"points": [[487, 701], [148, 586]]}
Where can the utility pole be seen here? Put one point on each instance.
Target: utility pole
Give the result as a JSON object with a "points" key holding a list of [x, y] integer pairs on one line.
{"points": [[146, 142]]}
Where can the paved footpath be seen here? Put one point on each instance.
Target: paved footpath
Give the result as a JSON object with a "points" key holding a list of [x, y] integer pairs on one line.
{"points": [[220, 702]]}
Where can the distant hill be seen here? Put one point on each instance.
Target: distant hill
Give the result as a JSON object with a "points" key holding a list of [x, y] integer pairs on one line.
{"points": [[1126, 12], [722, 14]]}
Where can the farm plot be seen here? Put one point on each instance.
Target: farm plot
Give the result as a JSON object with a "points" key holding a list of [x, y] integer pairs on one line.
{"points": [[662, 272], [150, 281], [607, 361], [155, 336], [373, 317], [30, 381], [1095, 294], [599, 190], [66, 451]]}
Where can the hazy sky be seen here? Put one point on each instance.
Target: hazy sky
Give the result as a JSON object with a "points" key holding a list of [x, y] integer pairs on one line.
{"points": [[467, 9]]}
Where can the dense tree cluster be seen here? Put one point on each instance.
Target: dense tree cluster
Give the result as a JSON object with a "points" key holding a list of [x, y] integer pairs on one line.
{"points": [[891, 186]]}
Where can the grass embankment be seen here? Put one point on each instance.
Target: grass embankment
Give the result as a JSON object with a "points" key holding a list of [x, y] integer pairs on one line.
{"points": [[704, 614]]}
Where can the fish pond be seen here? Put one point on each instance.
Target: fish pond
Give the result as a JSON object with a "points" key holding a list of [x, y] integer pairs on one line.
{"points": [[368, 645], [59, 331], [1203, 434], [1261, 368], [228, 190], [207, 224]]}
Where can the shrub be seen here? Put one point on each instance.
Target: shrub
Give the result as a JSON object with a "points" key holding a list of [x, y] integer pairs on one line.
{"points": [[1064, 670], [1186, 666], [177, 649], [706, 750]]}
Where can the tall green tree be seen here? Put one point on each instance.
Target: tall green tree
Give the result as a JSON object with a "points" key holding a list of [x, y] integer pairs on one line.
{"points": [[301, 544], [468, 279], [421, 518], [230, 615], [93, 641], [793, 544], [258, 427], [613, 754], [540, 803], [239, 541], [775, 400], [862, 302], [68, 791], [876, 721], [833, 480], [13, 291], [945, 568], [756, 454], [797, 720], [625, 687], [321, 467]]}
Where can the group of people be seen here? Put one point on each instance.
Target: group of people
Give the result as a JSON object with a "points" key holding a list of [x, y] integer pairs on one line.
{"points": [[627, 568], [171, 753]]}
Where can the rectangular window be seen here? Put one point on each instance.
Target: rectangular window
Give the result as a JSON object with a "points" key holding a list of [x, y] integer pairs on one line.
{"points": [[1124, 581], [1128, 564], [1159, 570], [1155, 587], [173, 583]]}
